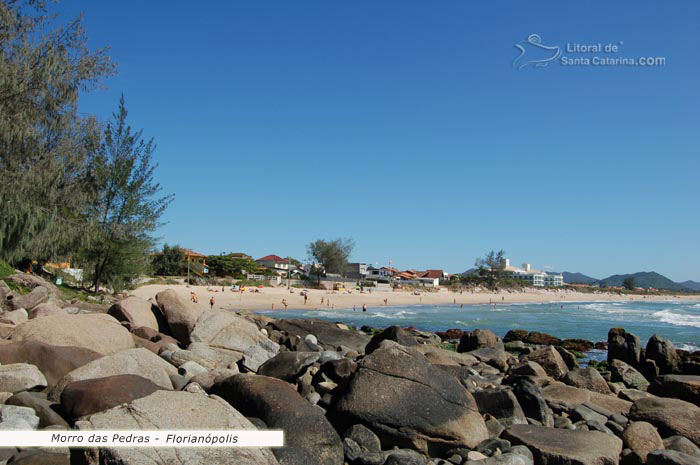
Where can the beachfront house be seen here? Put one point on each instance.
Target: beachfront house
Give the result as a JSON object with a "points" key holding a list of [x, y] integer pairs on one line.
{"points": [[531, 276], [382, 275], [195, 257], [356, 271], [275, 263]]}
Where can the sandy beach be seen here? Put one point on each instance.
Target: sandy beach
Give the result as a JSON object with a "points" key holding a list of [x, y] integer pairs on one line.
{"points": [[269, 298]]}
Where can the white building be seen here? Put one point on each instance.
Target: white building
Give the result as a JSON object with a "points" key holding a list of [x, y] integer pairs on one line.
{"points": [[532, 276]]}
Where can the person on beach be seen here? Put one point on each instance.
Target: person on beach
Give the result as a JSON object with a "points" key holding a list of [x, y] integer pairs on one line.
{"points": [[284, 302], [192, 296], [306, 297], [353, 308], [364, 307], [211, 303], [386, 301], [321, 300]]}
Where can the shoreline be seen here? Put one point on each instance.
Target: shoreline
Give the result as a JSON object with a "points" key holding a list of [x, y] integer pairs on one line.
{"points": [[271, 298]]}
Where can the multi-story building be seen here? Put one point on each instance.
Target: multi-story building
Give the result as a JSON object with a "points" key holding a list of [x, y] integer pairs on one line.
{"points": [[356, 270], [275, 263], [531, 276]]}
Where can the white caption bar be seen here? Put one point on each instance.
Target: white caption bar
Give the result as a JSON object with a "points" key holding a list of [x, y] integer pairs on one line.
{"points": [[155, 438]]}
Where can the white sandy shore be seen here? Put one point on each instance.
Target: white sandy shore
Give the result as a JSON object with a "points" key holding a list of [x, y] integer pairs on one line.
{"points": [[271, 298]]}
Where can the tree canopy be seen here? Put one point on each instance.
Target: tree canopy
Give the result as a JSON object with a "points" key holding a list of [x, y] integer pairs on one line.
{"points": [[331, 255]]}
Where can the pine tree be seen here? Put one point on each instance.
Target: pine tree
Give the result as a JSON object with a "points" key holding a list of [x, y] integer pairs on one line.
{"points": [[124, 208]]}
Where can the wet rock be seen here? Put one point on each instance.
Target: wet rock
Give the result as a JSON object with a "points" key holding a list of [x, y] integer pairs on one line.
{"points": [[392, 333], [309, 437], [479, 338], [406, 400], [515, 335], [670, 416], [562, 446], [663, 353], [579, 345], [641, 438], [622, 372], [587, 378], [684, 387]]}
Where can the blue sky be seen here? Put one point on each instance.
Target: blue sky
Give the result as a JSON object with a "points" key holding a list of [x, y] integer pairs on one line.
{"points": [[404, 126]]}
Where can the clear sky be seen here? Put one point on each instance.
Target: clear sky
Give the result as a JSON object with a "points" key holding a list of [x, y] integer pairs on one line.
{"points": [[405, 126]]}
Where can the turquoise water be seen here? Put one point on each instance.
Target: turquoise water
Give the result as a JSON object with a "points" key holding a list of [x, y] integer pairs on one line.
{"points": [[677, 321]]}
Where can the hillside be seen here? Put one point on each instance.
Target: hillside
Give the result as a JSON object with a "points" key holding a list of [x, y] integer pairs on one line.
{"points": [[645, 279], [577, 278], [692, 285]]}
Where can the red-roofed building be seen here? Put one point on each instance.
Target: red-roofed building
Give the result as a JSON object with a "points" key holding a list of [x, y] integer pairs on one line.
{"points": [[275, 263], [192, 256]]}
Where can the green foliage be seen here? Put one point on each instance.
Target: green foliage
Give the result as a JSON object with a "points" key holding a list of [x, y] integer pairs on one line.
{"points": [[170, 261], [226, 265], [124, 207], [294, 261], [331, 255], [447, 345], [44, 142], [628, 283], [5, 269]]}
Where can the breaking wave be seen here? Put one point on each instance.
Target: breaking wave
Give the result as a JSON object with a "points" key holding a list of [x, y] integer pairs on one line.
{"points": [[677, 319]]}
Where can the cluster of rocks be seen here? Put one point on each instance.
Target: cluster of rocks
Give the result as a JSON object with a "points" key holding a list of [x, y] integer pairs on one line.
{"points": [[342, 396]]}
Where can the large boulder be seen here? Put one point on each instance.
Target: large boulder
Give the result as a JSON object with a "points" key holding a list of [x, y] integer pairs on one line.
{"points": [[53, 361], [549, 359], [288, 366], [180, 314], [21, 377], [532, 401], [554, 446], [515, 335], [392, 333], [45, 409], [328, 334], [95, 331], [37, 296], [624, 346], [136, 311], [535, 337], [407, 400], [622, 372], [684, 387], [663, 353], [641, 438], [587, 378], [309, 437], [141, 362], [229, 332], [47, 309], [682, 444], [671, 457], [500, 404], [89, 396], [167, 410], [479, 338], [569, 397], [670, 416]]}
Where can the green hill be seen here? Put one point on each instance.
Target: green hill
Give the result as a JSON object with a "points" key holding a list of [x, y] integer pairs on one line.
{"points": [[577, 278], [692, 285], [645, 279]]}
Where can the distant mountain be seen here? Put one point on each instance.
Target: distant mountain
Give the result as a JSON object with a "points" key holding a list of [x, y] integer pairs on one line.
{"points": [[692, 285], [577, 278], [645, 279]]}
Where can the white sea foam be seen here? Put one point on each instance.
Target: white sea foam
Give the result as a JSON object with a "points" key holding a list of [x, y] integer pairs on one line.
{"points": [[688, 347], [677, 319]]}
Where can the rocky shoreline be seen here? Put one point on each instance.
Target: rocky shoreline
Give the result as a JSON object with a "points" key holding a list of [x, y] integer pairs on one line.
{"points": [[392, 396]]}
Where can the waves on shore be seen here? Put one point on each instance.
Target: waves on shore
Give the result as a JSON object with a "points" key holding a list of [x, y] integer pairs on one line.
{"points": [[678, 319]]}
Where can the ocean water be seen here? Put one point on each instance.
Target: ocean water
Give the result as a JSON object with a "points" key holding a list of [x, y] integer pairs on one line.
{"points": [[675, 320]]}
